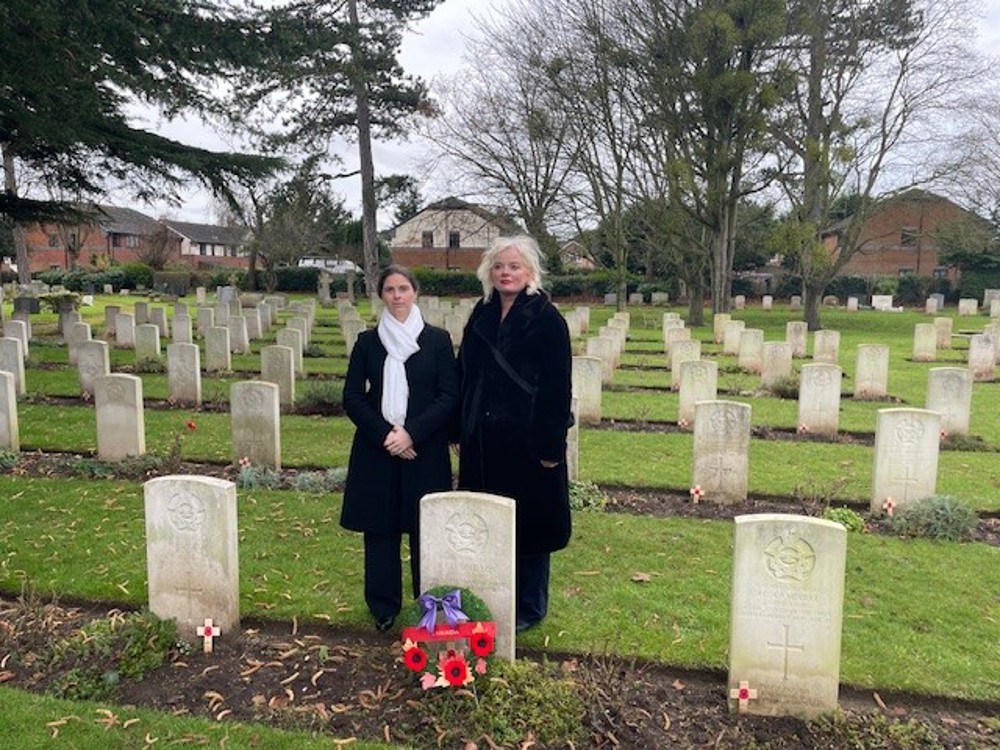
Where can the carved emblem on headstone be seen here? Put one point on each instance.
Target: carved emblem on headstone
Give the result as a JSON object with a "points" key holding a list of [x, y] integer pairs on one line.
{"points": [[466, 533], [789, 558]]}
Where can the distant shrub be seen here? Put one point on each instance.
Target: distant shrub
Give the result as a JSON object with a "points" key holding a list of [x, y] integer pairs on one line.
{"points": [[935, 517], [437, 283], [172, 282], [913, 289], [849, 519], [137, 275], [306, 279]]}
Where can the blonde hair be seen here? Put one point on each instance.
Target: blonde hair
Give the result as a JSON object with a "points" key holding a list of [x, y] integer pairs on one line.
{"points": [[530, 253]]}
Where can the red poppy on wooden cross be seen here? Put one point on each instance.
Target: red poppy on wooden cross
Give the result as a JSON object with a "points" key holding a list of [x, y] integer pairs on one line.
{"points": [[743, 695], [889, 506], [208, 631], [696, 493]]}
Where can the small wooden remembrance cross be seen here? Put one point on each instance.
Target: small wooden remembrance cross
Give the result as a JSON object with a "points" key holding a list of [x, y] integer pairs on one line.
{"points": [[208, 631]]}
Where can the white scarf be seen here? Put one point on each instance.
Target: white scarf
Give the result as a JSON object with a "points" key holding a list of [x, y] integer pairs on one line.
{"points": [[400, 341]]}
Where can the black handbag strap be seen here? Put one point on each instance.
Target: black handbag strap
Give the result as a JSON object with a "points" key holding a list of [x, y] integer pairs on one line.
{"points": [[511, 373]]}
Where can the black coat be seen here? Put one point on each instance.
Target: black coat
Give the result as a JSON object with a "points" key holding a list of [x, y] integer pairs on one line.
{"points": [[505, 431], [382, 491]]}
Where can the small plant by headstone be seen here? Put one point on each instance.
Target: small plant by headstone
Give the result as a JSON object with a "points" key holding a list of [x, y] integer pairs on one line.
{"points": [[8, 460], [936, 517], [150, 366], [586, 496], [851, 520], [786, 388], [320, 396], [257, 477], [319, 482]]}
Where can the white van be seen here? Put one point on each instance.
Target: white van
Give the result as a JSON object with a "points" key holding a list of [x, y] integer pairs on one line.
{"points": [[333, 265]]}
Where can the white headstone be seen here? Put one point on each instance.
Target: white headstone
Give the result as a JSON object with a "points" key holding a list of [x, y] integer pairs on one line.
{"points": [[584, 312], [587, 377], [182, 329], [192, 553], [931, 306], [239, 340], [751, 354], [871, 371], [924, 342], [147, 342], [10, 435], [968, 307], [92, 362], [949, 392], [12, 361], [739, 302], [906, 456], [882, 302], [125, 330], [826, 346], [468, 540], [256, 423], [635, 298], [277, 365], [767, 302], [786, 615], [721, 450], [573, 442], [672, 335], [797, 335], [944, 327], [776, 358], [218, 357], [795, 302], [184, 373], [76, 334], [141, 313], [17, 329], [819, 399], [158, 317], [732, 331], [206, 319], [681, 352], [982, 356], [699, 382], [292, 338], [719, 321], [121, 426], [603, 348], [852, 304]]}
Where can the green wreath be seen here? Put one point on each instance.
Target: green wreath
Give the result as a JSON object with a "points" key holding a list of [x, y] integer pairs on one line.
{"points": [[472, 606]]}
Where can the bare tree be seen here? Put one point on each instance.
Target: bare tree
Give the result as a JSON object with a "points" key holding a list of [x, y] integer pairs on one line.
{"points": [[878, 88]]}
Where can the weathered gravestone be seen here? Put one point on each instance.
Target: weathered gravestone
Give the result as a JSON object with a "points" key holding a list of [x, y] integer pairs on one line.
{"points": [[719, 321], [158, 317], [797, 335], [141, 312], [256, 424], [218, 357], [121, 425], [239, 340], [967, 307], [751, 353], [586, 378], [12, 361], [819, 398], [206, 319], [468, 540], [871, 371], [982, 356], [603, 348], [786, 615], [767, 302], [739, 302], [906, 456], [182, 329], [76, 334], [731, 334], [795, 302], [681, 352], [10, 436], [277, 365], [852, 304], [776, 359], [125, 330], [93, 361], [573, 442], [292, 338], [949, 392], [110, 316], [184, 373], [192, 552], [699, 382], [943, 327], [721, 450], [826, 347], [17, 329], [882, 302], [674, 334], [147, 342], [924, 342], [254, 328]]}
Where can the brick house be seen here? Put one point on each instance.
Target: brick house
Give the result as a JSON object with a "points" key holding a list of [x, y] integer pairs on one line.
{"points": [[450, 233], [900, 238], [123, 235]]}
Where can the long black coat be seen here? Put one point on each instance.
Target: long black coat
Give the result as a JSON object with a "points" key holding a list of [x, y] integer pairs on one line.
{"points": [[382, 491], [505, 431]]}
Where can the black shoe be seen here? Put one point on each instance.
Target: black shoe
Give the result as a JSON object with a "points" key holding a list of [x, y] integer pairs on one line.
{"points": [[522, 625], [384, 623]]}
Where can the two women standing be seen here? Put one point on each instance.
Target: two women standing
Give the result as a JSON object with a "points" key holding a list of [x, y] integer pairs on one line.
{"points": [[513, 398]]}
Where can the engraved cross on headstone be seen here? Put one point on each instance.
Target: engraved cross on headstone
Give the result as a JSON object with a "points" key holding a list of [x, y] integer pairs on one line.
{"points": [[786, 647]]}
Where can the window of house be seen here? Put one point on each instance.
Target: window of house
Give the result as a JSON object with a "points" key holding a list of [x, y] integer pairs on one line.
{"points": [[116, 240], [941, 272], [908, 237], [131, 240], [454, 239], [202, 249], [54, 241], [427, 239], [904, 271]]}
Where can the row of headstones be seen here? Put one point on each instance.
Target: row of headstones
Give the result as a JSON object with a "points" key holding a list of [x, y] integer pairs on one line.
{"points": [[786, 601], [904, 469], [984, 348], [884, 303]]}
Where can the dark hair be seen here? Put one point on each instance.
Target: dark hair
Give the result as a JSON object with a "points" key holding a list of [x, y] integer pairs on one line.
{"points": [[402, 271]]}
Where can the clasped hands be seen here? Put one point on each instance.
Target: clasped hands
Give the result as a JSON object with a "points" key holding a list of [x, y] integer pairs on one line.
{"points": [[399, 443]]}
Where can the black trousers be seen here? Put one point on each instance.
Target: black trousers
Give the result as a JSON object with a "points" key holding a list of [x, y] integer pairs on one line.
{"points": [[384, 572], [533, 586]]}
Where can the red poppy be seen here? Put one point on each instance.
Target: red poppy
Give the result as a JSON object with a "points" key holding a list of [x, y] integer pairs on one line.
{"points": [[455, 670], [481, 644], [191, 426], [415, 658]]}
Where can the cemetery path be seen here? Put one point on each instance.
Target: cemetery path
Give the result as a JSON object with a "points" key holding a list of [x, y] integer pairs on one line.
{"points": [[353, 684]]}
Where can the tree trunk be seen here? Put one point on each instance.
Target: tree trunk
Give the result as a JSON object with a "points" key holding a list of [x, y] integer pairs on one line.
{"points": [[696, 301], [20, 246], [369, 229], [812, 298]]}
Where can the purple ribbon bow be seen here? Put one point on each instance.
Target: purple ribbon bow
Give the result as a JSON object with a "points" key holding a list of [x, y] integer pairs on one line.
{"points": [[451, 605]]}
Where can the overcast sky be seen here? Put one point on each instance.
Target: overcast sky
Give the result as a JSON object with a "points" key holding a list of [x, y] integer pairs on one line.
{"points": [[434, 48]]}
